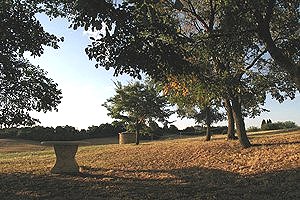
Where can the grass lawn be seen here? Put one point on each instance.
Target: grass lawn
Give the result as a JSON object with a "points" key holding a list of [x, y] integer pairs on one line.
{"points": [[187, 168]]}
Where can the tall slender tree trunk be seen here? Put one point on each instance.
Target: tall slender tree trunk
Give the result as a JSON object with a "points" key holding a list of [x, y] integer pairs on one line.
{"points": [[208, 133], [230, 119], [208, 123], [137, 138], [239, 123], [137, 134]]}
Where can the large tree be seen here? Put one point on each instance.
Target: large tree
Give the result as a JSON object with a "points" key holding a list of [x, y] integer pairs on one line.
{"points": [[166, 37], [137, 104], [152, 36], [24, 87]]}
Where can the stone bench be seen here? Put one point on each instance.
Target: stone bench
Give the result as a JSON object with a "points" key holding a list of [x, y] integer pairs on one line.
{"points": [[65, 152]]}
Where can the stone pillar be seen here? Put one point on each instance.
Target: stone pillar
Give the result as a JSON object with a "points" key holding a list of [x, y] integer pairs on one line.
{"points": [[126, 138]]}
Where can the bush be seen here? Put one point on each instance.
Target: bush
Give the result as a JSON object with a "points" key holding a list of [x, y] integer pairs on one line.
{"points": [[172, 130], [104, 130], [263, 123], [290, 124], [189, 129], [219, 130], [253, 129], [107, 130], [39, 133], [279, 125]]}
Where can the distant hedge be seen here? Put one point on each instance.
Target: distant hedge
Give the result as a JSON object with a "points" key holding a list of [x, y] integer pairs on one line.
{"points": [[202, 131], [279, 125], [273, 126], [40, 133]]}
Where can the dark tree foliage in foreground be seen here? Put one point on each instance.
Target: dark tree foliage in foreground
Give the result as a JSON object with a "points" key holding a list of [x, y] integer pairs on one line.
{"points": [[23, 86]]}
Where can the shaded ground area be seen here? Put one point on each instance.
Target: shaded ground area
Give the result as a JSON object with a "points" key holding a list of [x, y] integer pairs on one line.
{"points": [[188, 183], [172, 169]]}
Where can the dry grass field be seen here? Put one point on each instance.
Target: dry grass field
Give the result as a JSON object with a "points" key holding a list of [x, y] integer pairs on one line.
{"points": [[186, 168]]}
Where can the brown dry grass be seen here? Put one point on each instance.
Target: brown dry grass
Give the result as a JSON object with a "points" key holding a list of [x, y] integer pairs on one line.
{"points": [[186, 168]]}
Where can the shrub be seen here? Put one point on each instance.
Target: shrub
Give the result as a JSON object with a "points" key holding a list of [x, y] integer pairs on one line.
{"points": [[289, 124], [253, 129], [107, 130], [279, 125], [172, 129], [219, 130], [104, 130], [263, 123]]}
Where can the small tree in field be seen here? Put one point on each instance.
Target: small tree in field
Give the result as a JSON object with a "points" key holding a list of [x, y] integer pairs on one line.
{"points": [[194, 101], [136, 104]]}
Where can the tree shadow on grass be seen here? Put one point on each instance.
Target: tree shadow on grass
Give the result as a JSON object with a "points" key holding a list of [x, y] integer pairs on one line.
{"points": [[189, 183]]}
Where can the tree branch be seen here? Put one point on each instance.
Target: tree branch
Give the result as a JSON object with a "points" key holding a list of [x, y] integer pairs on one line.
{"points": [[212, 15], [256, 59], [198, 17], [269, 10]]}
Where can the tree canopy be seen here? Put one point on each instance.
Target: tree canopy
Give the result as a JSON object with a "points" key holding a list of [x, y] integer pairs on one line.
{"points": [[243, 48], [136, 104], [219, 41], [24, 87]]}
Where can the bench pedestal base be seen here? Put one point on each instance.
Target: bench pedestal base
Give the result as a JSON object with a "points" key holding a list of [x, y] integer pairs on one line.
{"points": [[65, 159], [65, 152]]}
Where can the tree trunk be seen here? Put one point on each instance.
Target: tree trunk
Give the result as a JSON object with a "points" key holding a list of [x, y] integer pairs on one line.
{"points": [[239, 123], [137, 134], [208, 133], [137, 138], [208, 123], [230, 119]]}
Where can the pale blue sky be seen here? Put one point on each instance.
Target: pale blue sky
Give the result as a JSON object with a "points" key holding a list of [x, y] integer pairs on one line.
{"points": [[85, 88]]}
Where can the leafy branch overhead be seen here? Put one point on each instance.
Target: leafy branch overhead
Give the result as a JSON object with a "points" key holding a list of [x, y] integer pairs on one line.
{"points": [[23, 86]]}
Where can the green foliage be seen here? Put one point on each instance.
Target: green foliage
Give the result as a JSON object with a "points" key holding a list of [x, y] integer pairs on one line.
{"points": [[279, 125], [253, 129], [199, 38], [104, 130], [139, 37], [189, 131], [40, 133], [171, 130], [24, 87], [263, 123], [202, 131], [137, 104]]}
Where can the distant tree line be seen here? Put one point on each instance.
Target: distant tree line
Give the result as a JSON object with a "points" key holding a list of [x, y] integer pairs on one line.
{"points": [[40, 133], [269, 125], [191, 130]]}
